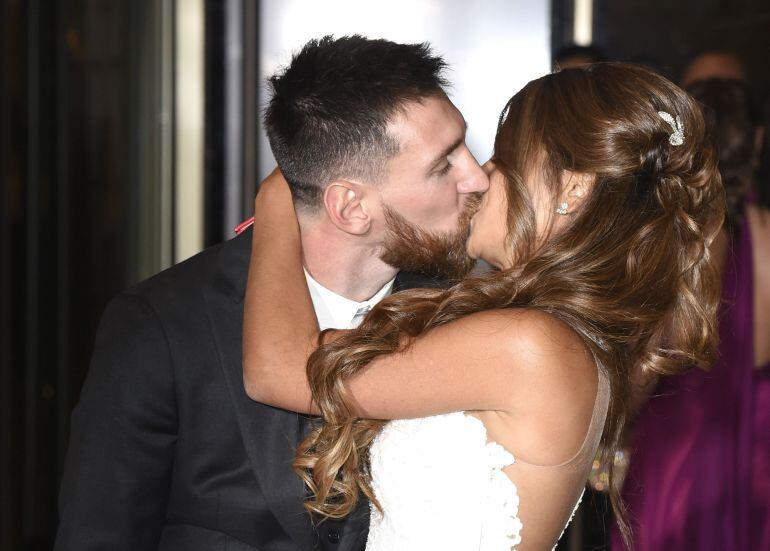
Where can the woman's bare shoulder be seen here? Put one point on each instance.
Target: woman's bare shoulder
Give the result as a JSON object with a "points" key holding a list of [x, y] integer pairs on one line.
{"points": [[539, 347], [554, 384]]}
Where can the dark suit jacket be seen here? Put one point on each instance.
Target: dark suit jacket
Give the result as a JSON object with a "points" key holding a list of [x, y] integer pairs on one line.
{"points": [[167, 451]]}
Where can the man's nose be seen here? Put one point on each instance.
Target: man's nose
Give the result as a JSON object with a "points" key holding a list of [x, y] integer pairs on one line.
{"points": [[475, 181]]}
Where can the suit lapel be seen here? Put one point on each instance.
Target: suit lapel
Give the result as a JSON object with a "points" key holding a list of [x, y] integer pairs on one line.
{"points": [[270, 435]]}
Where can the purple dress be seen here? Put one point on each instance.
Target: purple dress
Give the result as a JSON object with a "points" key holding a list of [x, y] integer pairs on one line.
{"points": [[699, 477]]}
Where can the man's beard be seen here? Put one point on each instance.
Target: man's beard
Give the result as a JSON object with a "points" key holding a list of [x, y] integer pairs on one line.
{"points": [[413, 249]]}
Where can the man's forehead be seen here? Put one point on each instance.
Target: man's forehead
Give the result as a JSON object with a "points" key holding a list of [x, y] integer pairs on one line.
{"points": [[430, 107], [433, 120]]}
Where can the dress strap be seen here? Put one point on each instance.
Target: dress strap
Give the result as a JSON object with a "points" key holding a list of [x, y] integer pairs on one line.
{"points": [[595, 428]]}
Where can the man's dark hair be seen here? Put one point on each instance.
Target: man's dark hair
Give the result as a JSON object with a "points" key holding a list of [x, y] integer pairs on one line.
{"points": [[329, 111]]}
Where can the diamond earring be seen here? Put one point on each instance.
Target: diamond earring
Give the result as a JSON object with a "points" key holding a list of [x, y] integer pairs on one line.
{"points": [[562, 208]]}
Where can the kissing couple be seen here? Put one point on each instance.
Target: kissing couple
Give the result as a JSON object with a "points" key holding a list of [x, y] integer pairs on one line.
{"points": [[381, 398]]}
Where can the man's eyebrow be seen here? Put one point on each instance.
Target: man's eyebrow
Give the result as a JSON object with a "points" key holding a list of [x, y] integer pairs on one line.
{"points": [[451, 147]]}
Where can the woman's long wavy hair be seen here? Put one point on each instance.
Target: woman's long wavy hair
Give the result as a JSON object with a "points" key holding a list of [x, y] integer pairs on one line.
{"points": [[632, 273]]}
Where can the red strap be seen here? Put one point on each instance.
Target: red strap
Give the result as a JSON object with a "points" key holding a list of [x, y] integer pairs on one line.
{"points": [[243, 226]]}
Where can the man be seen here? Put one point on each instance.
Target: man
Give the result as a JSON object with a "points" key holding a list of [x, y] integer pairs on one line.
{"points": [[167, 451]]}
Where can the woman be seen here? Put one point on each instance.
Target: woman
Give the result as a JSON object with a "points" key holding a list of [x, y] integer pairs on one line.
{"points": [[704, 482], [599, 217]]}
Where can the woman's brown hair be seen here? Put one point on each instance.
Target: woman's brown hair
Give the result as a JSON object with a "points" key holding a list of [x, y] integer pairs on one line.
{"points": [[631, 274]]}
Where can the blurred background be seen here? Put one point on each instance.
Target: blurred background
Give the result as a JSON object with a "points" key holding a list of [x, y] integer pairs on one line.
{"points": [[131, 140]]}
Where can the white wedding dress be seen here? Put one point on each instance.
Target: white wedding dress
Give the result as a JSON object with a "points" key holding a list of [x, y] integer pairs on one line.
{"points": [[441, 485]]}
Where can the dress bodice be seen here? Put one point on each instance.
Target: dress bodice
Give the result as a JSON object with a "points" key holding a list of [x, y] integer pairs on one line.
{"points": [[440, 484], [438, 472]]}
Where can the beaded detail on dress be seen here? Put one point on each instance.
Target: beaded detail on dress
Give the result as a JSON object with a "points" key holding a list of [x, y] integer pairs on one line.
{"points": [[437, 472]]}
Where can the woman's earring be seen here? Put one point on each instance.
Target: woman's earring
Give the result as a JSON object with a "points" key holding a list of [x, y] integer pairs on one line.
{"points": [[562, 208]]}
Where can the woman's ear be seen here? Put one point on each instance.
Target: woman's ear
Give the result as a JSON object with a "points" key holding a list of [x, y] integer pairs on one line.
{"points": [[577, 186], [343, 201]]}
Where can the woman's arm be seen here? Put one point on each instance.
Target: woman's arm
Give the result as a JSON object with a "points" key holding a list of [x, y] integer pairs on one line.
{"points": [[280, 328], [486, 361]]}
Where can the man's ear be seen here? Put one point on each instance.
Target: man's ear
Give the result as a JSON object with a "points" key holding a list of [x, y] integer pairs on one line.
{"points": [[577, 186], [343, 201]]}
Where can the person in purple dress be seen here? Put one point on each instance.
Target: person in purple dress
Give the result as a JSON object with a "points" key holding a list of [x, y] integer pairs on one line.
{"points": [[699, 474]]}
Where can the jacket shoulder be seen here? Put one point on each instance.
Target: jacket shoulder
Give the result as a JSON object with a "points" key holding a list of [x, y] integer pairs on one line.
{"points": [[184, 282]]}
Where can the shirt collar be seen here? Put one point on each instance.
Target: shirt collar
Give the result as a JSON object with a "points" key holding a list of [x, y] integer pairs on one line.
{"points": [[335, 311]]}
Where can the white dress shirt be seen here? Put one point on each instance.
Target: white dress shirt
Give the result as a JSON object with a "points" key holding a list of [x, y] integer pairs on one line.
{"points": [[337, 312]]}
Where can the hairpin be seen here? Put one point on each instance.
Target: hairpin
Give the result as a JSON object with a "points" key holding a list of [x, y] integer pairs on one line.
{"points": [[677, 134]]}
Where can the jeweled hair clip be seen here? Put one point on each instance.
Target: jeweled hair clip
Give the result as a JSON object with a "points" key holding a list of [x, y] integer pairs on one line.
{"points": [[677, 134]]}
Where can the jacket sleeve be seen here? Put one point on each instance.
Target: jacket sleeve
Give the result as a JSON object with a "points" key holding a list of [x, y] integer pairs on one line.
{"points": [[116, 478]]}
